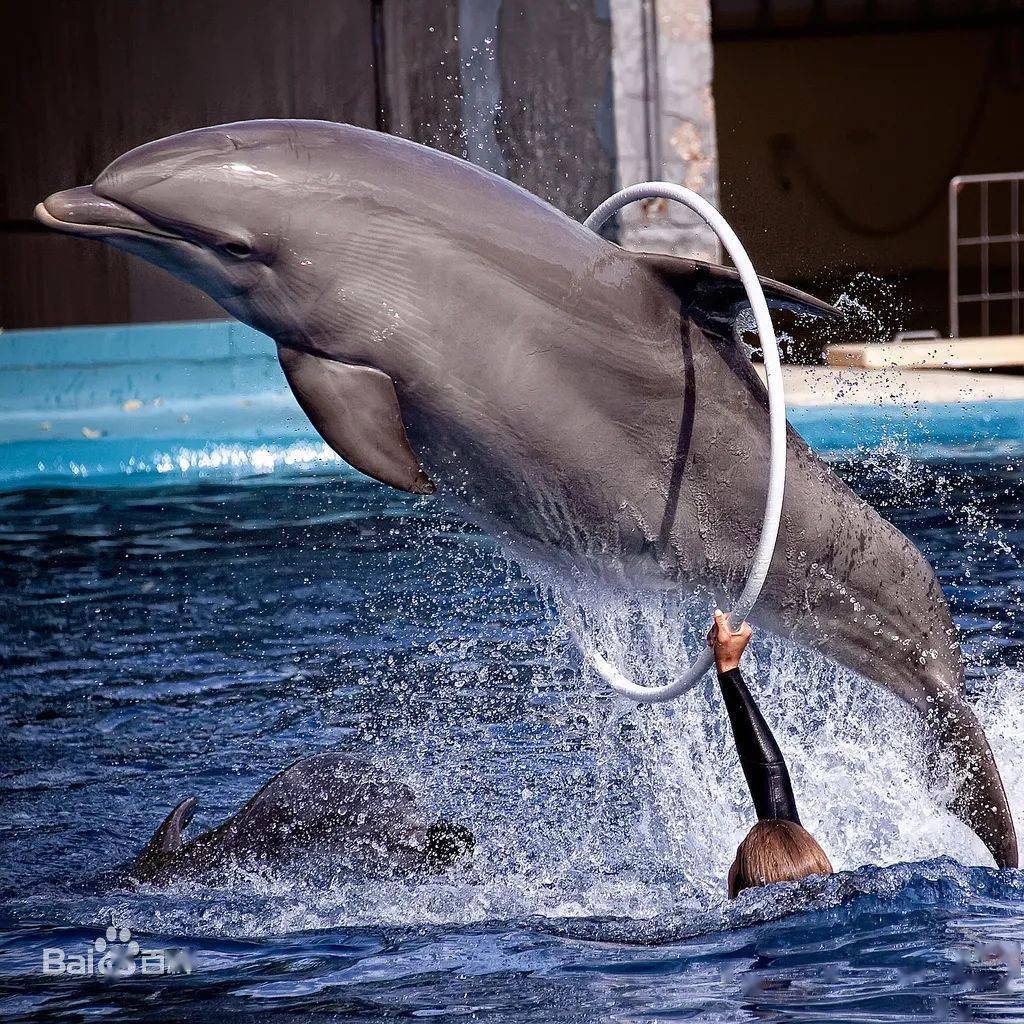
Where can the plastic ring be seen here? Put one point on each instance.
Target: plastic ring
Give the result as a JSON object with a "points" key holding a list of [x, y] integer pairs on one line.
{"points": [[776, 425]]}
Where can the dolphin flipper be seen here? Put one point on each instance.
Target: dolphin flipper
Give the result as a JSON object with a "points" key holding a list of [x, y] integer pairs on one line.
{"points": [[356, 411], [166, 840], [714, 295]]}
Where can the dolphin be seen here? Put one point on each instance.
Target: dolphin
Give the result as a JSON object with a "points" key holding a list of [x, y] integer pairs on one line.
{"points": [[443, 328], [327, 811]]}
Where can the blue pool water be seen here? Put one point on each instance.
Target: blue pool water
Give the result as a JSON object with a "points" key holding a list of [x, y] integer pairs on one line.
{"points": [[163, 640]]}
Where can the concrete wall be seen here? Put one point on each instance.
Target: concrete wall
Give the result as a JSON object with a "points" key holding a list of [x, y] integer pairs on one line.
{"points": [[85, 81], [521, 86], [665, 119]]}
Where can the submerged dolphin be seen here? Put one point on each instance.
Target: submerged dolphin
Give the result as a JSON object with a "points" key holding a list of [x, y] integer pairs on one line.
{"points": [[440, 325], [327, 812]]}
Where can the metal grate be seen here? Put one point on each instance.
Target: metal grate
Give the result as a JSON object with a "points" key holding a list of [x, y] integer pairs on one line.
{"points": [[998, 287]]}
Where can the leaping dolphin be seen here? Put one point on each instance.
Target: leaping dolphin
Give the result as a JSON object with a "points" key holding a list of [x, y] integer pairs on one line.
{"points": [[443, 327]]}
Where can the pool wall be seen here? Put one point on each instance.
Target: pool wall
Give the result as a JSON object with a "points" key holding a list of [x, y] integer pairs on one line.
{"points": [[130, 403]]}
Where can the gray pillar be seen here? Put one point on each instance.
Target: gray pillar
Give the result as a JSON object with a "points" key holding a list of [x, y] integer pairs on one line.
{"points": [[665, 119]]}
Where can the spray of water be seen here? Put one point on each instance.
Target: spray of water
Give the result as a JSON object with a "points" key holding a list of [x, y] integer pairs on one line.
{"points": [[642, 826], [609, 811]]}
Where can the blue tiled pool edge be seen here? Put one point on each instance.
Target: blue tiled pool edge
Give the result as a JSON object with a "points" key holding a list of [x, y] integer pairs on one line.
{"points": [[140, 403], [923, 428]]}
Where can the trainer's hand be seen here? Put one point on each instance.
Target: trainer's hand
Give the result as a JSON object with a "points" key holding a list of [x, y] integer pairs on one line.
{"points": [[727, 645]]}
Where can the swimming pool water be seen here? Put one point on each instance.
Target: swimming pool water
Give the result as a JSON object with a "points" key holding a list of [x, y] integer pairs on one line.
{"points": [[160, 641]]}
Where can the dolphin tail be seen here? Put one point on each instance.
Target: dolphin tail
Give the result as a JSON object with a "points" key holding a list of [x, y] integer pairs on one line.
{"points": [[166, 841], [714, 295], [979, 799]]}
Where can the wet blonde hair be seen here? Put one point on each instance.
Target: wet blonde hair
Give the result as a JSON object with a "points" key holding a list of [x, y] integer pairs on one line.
{"points": [[776, 851]]}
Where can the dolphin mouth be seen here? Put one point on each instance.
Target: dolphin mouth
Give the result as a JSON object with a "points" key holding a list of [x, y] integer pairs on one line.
{"points": [[83, 211]]}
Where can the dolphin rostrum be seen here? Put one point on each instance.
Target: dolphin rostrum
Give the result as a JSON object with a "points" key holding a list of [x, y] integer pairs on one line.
{"points": [[443, 327]]}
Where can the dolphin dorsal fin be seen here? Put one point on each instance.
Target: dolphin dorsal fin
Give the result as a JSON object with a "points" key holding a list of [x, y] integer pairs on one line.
{"points": [[714, 295], [167, 838], [355, 410]]}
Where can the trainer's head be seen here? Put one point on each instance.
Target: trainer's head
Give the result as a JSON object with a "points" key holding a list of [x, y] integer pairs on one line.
{"points": [[776, 851]]}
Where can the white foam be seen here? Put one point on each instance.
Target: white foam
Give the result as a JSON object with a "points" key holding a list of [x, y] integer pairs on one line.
{"points": [[652, 831]]}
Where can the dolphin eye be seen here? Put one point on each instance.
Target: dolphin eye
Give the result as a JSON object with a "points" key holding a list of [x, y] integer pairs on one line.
{"points": [[238, 249]]}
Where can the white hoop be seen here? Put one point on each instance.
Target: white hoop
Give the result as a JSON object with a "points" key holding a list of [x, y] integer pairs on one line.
{"points": [[776, 425]]}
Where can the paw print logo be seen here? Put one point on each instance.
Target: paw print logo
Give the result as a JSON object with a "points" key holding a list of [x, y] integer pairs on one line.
{"points": [[117, 951]]}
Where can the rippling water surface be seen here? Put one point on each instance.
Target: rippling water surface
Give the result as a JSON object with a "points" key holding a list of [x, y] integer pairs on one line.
{"points": [[196, 638]]}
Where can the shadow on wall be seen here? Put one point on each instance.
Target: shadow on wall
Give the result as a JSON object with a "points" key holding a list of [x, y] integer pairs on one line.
{"points": [[836, 153]]}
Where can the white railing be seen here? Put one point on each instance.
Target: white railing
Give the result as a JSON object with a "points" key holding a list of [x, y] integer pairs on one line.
{"points": [[984, 297]]}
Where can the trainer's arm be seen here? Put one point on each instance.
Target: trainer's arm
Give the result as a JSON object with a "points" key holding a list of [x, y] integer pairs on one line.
{"points": [[760, 757]]}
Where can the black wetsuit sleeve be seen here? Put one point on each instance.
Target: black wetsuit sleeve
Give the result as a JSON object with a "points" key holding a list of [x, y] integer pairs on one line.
{"points": [[760, 756]]}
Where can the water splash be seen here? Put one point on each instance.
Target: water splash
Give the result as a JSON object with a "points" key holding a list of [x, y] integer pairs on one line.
{"points": [[641, 824], [873, 309], [584, 806]]}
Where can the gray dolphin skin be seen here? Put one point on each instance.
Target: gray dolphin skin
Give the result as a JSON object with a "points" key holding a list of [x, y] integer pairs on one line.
{"points": [[442, 327], [327, 812]]}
